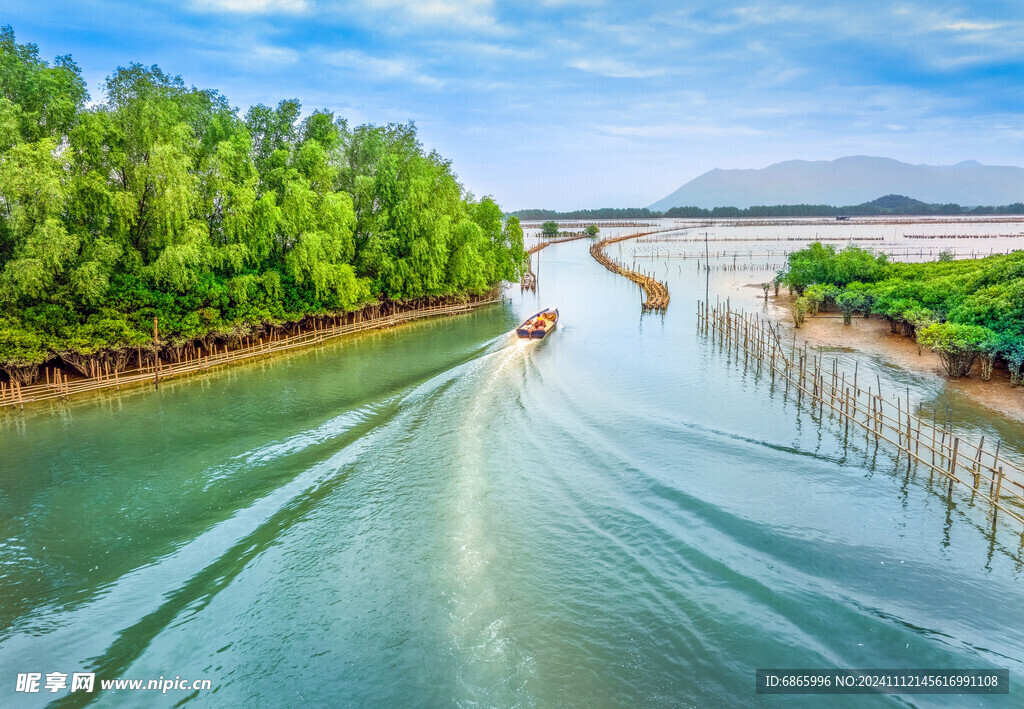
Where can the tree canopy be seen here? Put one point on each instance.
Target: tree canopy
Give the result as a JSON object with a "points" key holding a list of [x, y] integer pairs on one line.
{"points": [[163, 201], [961, 309]]}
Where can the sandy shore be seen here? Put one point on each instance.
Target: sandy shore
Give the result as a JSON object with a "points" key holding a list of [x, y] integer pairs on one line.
{"points": [[873, 337]]}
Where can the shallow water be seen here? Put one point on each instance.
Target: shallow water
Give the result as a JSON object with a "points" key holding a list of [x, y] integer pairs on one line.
{"points": [[437, 514]]}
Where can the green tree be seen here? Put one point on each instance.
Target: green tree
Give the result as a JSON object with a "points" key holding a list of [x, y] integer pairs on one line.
{"points": [[163, 202], [1011, 348], [799, 310], [819, 264], [815, 297], [849, 302], [958, 346], [549, 228], [808, 266], [22, 350], [40, 100]]}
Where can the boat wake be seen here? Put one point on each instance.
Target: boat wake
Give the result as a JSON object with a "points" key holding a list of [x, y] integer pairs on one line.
{"points": [[481, 631]]}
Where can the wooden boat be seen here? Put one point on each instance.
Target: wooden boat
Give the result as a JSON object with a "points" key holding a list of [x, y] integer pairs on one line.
{"points": [[539, 325]]}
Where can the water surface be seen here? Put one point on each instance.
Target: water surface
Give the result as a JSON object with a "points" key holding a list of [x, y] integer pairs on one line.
{"points": [[619, 515]]}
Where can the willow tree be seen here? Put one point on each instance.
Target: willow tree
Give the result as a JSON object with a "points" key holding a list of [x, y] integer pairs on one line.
{"points": [[39, 100], [40, 258], [162, 201]]}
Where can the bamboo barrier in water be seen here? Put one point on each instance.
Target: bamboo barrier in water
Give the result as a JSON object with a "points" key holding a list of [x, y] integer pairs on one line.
{"points": [[655, 290], [13, 394], [544, 244], [660, 251], [934, 445], [529, 280], [578, 224]]}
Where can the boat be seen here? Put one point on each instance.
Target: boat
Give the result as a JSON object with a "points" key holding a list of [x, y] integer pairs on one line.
{"points": [[538, 326]]}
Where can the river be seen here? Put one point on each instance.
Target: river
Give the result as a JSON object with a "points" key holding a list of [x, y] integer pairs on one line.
{"points": [[438, 515]]}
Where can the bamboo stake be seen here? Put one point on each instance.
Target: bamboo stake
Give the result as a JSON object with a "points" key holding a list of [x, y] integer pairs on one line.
{"points": [[749, 334], [952, 463], [995, 464], [156, 356]]}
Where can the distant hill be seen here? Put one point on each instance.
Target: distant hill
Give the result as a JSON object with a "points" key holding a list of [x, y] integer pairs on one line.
{"points": [[850, 180], [889, 205]]}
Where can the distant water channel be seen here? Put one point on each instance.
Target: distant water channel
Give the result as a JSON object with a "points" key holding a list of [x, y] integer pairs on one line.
{"points": [[436, 515]]}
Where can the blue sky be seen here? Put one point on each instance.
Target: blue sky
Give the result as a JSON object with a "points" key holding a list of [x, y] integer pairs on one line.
{"points": [[570, 104]]}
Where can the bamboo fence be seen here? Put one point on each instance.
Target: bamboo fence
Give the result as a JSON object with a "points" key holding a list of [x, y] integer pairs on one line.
{"points": [[656, 292], [60, 387], [658, 251], [578, 224], [529, 280], [544, 244], [984, 471]]}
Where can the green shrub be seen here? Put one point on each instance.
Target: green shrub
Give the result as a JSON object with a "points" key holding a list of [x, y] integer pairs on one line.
{"points": [[958, 346]]}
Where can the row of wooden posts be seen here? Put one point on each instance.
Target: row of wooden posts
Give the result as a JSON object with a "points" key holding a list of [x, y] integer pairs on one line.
{"points": [[655, 251], [548, 242], [529, 280], [656, 292], [985, 472], [691, 235], [59, 387], [734, 266], [576, 224], [700, 223]]}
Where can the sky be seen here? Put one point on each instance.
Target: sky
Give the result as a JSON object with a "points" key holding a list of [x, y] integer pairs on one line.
{"points": [[567, 104]]}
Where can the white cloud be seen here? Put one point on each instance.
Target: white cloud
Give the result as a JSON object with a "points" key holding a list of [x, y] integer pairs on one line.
{"points": [[484, 49], [252, 7], [248, 52], [616, 69], [379, 69], [567, 3], [266, 54], [478, 14], [675, 130], [769, 14], [1011, 133], [963, 26]]}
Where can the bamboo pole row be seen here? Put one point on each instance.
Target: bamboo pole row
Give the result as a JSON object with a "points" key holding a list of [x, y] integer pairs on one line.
{"points": [[656, 292], [529, 280], [14, 394], [577, 224], [544, 244], [658, 251], [932, 444], [700, 223], [703, 265]]}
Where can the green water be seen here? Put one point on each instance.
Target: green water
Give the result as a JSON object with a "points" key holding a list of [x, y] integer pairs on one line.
{"points": [[436, 515]]}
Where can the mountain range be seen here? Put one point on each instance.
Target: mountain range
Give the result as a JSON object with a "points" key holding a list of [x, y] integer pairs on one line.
{"points": [[850, 180]]}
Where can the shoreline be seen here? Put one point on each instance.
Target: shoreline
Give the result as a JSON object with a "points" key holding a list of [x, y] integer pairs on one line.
{"points": [[872, 336], [15, 396]]}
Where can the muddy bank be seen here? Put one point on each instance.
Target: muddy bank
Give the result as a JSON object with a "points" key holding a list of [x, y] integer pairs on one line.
{"points": [[872, 336]]}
